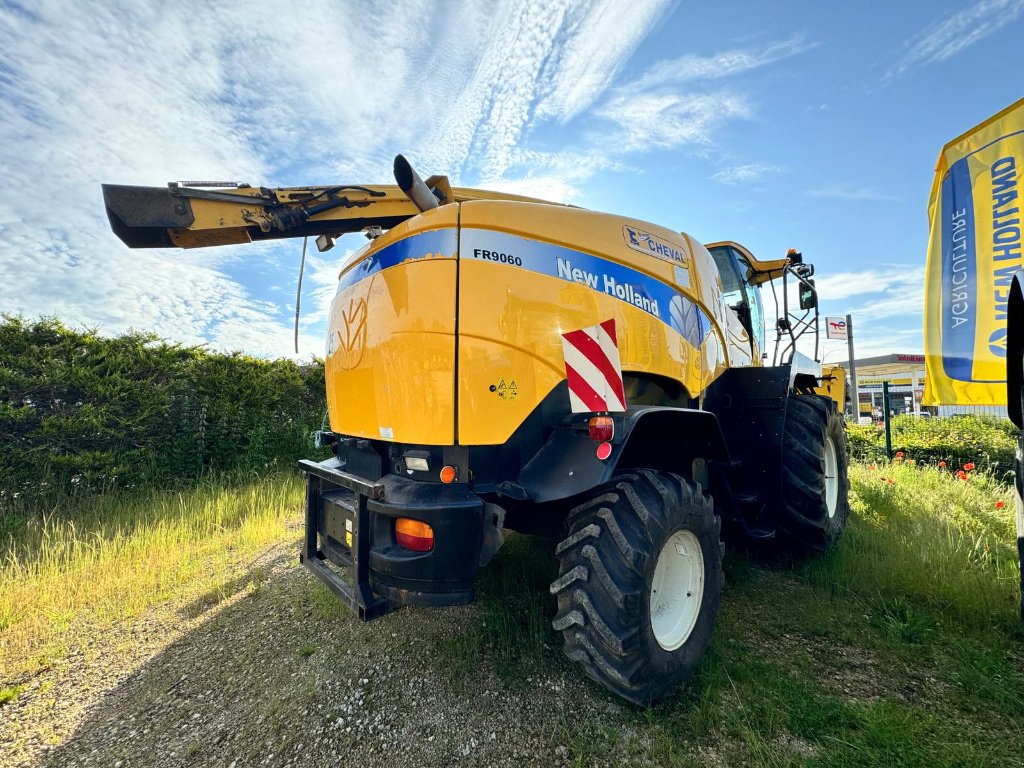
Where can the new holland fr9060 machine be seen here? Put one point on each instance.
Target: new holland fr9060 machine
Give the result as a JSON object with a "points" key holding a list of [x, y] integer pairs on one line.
{"points": [[499, 362]]}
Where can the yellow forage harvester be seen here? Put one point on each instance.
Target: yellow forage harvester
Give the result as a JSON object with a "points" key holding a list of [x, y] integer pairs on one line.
{"points": [[495, 361]]}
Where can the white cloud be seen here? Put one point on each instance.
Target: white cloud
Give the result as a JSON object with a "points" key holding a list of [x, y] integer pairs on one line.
{"points": [[946, 38], [143, 96], [871, 339], [557, 189], [745, 173], [690, 67], [598, 44], [883, 303], [655, 111], [538, 61], [660, 120], [903, 298], [843, 285], [853, 192]]}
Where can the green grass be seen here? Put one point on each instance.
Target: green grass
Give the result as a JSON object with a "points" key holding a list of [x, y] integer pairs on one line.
{"points": [[928, 545], [512, 628], [112, 558]]}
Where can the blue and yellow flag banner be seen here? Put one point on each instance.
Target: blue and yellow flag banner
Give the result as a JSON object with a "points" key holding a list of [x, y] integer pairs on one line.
{"points": [[974, 249]]}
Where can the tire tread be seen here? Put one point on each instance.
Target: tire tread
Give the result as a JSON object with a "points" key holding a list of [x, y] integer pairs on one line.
{"points": [[601, 580]]}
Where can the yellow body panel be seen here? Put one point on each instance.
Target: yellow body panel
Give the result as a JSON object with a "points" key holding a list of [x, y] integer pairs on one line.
{"points": [[397, 325], [390, 364], [833, 385], [510, 339], [512, 316]]}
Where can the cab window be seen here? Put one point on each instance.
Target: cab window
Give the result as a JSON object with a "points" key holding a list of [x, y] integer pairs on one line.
{"points": [[756, 313], [742, 297], [732, 283]]}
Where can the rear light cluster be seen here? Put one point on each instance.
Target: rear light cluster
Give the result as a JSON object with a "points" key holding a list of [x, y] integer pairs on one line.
{"points": [[601, 430], [414, 535], [419, 461]]}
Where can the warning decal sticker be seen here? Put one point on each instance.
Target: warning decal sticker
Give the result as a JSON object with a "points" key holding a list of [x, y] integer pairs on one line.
{"points": [[593, 370]]}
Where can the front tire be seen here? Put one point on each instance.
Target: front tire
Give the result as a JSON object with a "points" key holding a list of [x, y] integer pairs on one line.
{"points": [[639, 583], [815, 483]]}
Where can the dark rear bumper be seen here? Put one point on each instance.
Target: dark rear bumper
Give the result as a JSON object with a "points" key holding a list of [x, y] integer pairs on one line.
{"points": [[350, 523]]}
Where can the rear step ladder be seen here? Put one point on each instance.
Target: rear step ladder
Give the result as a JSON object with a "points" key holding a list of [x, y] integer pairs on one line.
{"points": [[321, 478]]}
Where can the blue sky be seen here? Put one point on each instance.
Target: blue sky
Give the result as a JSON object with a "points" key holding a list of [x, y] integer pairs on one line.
{"points": [[799, 124]]}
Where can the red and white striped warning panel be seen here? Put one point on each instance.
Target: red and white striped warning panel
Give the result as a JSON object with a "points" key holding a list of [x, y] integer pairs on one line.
{"points": [[593, 369]]}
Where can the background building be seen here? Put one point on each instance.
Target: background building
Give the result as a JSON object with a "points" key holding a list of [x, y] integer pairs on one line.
{"points": [[906, 377]]}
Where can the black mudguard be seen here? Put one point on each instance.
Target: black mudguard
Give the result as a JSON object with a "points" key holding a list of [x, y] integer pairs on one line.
{"points": [[651, 437]]}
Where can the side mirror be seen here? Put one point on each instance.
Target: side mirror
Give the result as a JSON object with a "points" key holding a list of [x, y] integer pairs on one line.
{"points": [[808, 296]]}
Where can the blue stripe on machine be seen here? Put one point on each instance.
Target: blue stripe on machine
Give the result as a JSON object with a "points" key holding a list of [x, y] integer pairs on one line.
{"points": [[434, 243], [647, 293], [959, 273]]}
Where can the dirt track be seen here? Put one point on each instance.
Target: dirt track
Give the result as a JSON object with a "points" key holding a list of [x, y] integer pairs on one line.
{"points": [[280, 674]]}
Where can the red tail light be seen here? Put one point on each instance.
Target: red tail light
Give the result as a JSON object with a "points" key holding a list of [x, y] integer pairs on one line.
{"points": [[602, 429]]}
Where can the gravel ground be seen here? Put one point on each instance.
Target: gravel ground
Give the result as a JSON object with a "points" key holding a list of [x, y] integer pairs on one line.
{"points": [[279, 674]]}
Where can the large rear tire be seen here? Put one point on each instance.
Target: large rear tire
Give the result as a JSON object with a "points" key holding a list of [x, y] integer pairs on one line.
{"points": [[639, 583], [815, 484]]}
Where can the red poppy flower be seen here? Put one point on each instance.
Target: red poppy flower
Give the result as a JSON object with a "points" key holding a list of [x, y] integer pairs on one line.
{"points": [[899, 454], [961, 475], [969, 466], [942, 463], [1000, 504]]}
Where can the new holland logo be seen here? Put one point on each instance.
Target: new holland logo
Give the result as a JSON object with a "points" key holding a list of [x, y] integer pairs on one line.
{"points": [[997, 342], [652, 245], [351, 336]]}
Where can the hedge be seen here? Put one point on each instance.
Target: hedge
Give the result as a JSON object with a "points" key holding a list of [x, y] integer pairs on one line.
{"points": [[985, 441], [79, 411]]}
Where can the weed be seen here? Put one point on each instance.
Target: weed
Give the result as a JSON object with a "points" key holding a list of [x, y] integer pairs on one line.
{"points": [[9, 694], [901, 621]]}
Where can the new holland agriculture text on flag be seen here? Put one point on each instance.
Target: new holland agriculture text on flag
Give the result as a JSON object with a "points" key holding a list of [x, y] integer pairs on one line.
{"points": [[974, 249]]}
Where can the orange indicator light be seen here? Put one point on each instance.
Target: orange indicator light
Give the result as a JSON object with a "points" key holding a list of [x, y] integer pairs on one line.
{"points": [[414, 534]]}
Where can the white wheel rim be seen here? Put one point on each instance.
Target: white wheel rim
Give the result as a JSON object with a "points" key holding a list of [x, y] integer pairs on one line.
{"points": [[677, 590], [831, 477]]}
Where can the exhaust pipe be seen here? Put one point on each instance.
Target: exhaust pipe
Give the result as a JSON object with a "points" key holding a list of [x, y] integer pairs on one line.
{"points": [[413, 186]]}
